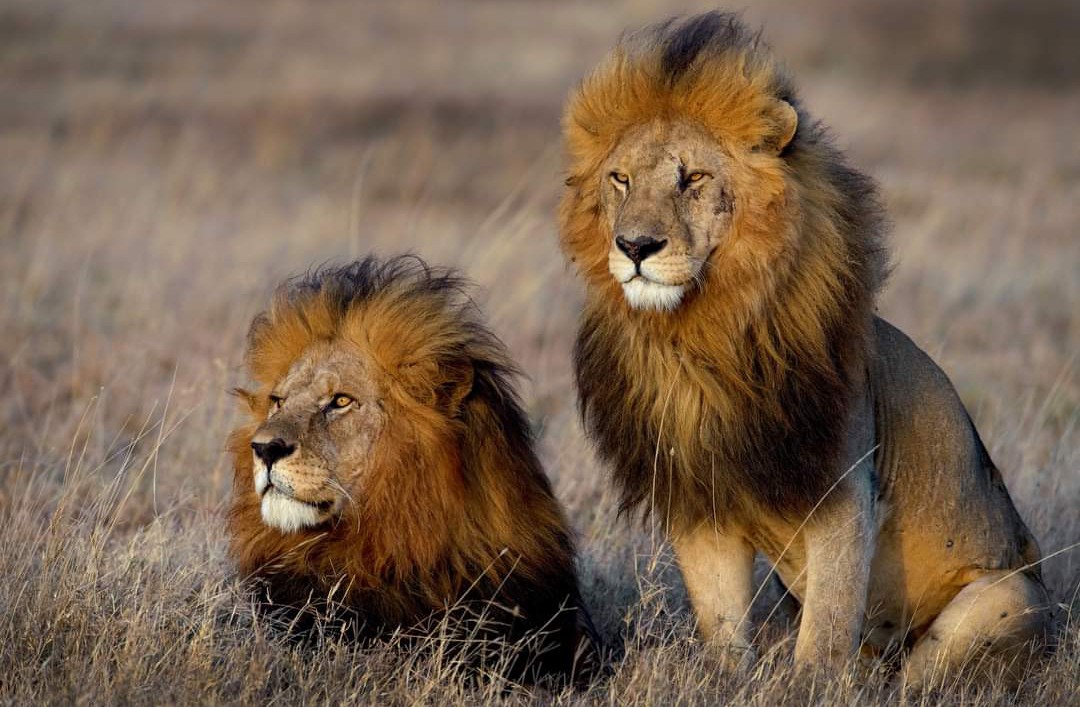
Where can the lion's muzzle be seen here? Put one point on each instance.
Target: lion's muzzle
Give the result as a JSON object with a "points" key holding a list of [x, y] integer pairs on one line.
{"points": [[289, 493], [652, 274], [268, 451]]}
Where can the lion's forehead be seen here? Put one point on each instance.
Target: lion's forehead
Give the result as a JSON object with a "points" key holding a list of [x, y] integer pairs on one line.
{"points": [[662, 145], [329, 369]]}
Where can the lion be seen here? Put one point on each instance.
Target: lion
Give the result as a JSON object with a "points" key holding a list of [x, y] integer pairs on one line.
{"points": [[388, 468], [732, 372]]}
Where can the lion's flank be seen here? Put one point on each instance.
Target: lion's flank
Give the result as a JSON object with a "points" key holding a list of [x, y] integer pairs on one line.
{"points": [[739, 393]]}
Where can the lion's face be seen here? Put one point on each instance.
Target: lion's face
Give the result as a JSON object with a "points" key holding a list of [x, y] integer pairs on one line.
{"points": [[312, 452], [668, 202]]}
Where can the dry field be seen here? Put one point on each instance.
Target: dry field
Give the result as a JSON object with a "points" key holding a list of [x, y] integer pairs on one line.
{"points": [[164, 164]]}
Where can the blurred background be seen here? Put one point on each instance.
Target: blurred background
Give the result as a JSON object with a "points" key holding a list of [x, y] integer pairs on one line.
{"points": [[164, 164]]}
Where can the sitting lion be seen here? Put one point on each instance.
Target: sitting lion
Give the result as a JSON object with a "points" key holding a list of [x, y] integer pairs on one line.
{"points": [[733, 374], [388, 466]]}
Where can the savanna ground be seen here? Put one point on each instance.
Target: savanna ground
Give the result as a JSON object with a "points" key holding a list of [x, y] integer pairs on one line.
{"points": [[164, 164]]}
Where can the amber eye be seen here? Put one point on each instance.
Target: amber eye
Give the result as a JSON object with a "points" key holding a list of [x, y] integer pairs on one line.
{"points": [[695, 177], [341, 401], [620, 179]]}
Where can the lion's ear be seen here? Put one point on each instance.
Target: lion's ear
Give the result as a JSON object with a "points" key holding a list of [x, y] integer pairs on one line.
{"points": [[443, 385], [783, 121], [456, 385], [249, 398]]}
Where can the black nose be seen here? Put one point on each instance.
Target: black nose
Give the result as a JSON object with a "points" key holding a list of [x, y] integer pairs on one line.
{"points": [[639, 248], [273, 450]]}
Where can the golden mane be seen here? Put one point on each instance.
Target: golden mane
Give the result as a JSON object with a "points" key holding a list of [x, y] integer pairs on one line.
{"points": [[457, 507], [768, 349]]}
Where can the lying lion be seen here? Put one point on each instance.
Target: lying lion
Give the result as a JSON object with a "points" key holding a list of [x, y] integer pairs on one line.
{"points": [[733, 374], [388, 465]]}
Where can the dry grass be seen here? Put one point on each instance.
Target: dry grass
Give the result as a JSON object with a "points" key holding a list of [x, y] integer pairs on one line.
{"points": [[163, 164]]}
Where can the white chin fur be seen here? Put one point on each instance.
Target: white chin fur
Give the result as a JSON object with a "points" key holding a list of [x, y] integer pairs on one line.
{"points": [[285, 514], [645, 294]]}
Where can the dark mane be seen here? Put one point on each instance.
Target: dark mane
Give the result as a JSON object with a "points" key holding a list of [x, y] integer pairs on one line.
{"points": [[713, 32], [736, 399], [457, 510], [350, 285]]}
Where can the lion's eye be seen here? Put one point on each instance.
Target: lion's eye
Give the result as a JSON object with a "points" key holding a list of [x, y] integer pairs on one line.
{"points": [[620, 179], [275, 402], [341, 401], [696, 177]]}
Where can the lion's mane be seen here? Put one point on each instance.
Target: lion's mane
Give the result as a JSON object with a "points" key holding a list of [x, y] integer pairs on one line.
{"points": [[457, 507], [735, 400]]}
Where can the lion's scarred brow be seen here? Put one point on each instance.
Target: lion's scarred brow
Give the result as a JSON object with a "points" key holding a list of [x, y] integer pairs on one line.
{"points": [[326, 373]]}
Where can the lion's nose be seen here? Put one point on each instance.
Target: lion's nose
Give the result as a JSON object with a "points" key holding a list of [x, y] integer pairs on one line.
{"points": [[638, 249], [270, 452]]}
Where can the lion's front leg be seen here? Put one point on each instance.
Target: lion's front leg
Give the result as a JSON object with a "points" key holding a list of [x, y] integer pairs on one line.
{"points": [[840, 540], [718, 567]]}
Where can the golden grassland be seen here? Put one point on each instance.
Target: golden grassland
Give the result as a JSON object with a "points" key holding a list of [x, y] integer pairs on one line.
{"points": [[163, 165]]}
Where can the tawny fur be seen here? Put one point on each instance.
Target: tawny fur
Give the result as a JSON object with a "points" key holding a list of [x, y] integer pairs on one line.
{"points": [[775, 341], [767, 408], [454, 507]]}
